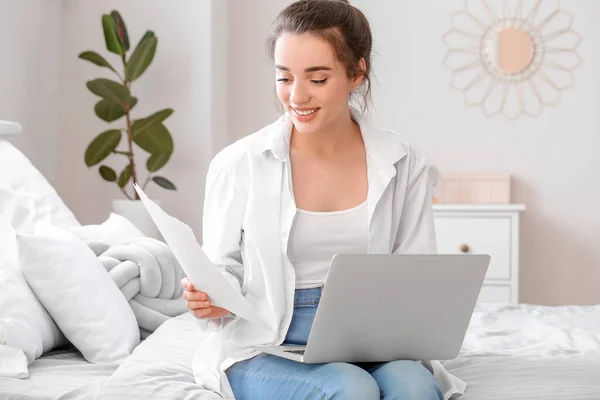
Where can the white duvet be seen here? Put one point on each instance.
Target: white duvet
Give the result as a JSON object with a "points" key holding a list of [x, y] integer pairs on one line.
{"points": [[520, 352], [527, 352], [516, 352], [523, 329]]}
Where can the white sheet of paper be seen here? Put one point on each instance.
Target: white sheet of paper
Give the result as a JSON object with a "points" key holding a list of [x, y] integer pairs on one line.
{"points": [[200, 270]]}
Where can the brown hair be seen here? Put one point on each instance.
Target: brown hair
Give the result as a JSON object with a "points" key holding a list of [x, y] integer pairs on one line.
{"points": [[344, 26]]}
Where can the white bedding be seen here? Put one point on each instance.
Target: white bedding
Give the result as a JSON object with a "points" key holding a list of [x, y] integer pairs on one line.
{"points": [[519, 352], [529, 352], [525, 329], [61, 374], [160, 367], [528, 378]]}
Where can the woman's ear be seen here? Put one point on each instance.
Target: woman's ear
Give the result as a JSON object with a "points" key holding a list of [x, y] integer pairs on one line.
{"points": [[359, 78]]}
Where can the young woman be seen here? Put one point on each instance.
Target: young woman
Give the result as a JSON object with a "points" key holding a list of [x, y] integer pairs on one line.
{"points": [[281, 202]]}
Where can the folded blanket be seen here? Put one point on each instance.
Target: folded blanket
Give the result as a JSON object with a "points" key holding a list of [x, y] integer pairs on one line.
{"points": [[148, 274]]}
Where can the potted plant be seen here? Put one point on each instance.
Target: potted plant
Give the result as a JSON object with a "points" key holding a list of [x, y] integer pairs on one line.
{"points": [[116, 103]]}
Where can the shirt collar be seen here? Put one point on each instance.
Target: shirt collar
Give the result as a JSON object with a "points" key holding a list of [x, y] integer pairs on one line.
{"points": [[384, 147]]}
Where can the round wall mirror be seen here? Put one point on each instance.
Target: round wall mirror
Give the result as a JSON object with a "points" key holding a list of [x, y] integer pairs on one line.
{"points": [[512, 50], [512, 57]]}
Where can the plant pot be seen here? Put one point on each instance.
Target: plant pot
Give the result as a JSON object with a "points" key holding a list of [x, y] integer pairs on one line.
{"points": [[136, 213]]}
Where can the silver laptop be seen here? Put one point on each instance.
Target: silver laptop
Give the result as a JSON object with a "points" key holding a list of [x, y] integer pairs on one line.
{"points": [[382, 307]]}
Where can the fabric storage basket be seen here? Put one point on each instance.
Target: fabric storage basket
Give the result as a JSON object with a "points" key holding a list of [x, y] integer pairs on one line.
{"points": [[473, 188]]}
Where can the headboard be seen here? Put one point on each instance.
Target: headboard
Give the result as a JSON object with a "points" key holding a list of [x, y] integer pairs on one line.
{"points": [[9, 128]]}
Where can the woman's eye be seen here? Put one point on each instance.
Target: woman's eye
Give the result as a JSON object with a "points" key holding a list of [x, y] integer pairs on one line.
{"points": [[319, 82], [283, 80]]}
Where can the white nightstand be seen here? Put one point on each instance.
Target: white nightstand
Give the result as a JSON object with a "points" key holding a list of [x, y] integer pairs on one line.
{"points": [[487, 229]]}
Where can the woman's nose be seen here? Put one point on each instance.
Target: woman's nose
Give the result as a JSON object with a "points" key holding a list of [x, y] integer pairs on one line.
{"points": [[299, 94]]}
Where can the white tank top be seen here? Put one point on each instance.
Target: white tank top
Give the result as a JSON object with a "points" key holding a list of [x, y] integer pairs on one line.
{"points": [[316, 237]]}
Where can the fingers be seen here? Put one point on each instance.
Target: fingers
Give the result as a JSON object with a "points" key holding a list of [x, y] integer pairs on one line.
{"points": [[195, 295], [202, 312], [187, 284], [195, 304], [197, 301]]}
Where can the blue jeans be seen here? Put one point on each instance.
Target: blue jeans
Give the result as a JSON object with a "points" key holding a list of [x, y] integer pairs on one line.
{"points": [[270, 377]]}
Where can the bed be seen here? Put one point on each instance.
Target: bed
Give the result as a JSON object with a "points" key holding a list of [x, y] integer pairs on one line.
{"points": [[61, 373], [531, 352], [517, 352]]}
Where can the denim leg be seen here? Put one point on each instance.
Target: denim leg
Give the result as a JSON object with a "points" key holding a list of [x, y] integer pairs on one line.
{"points": [[306, 302], [405, 380], [270, 377]]}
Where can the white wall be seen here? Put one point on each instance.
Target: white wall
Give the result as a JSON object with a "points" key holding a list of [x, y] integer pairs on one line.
{"points": [[211, 67], [553, 159], [30, 31], [220, 73], [251, 89], [180, 77]]}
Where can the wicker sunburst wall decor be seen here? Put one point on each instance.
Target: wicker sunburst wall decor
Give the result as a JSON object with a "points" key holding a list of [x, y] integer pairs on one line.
{"points": [[512, 58]]}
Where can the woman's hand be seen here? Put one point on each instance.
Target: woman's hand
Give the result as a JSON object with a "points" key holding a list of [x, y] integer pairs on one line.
{"points": [[199, 304]]}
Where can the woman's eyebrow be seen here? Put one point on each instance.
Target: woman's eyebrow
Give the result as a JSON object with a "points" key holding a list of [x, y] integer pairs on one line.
{"points": [[310, 69]]}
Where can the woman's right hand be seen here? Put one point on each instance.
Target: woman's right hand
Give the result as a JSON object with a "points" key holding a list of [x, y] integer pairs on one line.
{"points": [[199, 304]]}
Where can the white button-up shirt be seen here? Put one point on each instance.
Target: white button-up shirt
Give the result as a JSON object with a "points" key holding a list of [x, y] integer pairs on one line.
{"points": [[248, 213]]}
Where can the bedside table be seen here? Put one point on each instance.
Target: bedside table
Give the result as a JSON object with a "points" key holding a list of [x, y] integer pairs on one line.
{"points": [[484, 229]]}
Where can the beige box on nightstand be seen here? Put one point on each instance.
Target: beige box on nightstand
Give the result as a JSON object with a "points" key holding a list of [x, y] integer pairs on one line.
{"points": [[484, 229]]}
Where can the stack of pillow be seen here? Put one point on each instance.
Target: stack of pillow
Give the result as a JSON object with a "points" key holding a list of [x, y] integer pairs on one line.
{"points": [[53, 288]]}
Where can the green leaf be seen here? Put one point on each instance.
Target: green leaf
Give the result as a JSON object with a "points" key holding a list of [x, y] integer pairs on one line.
{"points": [[110, 35], [164, 182], [110, 90], [102, 146], [121, 30], [107, 173], [125, 176], [157, 161], [140, 125], [141, 58], [155, 139], [109, 111], [96, 58], [147, 35]]}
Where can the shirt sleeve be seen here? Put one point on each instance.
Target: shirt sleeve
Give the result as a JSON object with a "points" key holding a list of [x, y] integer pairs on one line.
{"points": [[416, 231], [224, 208]]}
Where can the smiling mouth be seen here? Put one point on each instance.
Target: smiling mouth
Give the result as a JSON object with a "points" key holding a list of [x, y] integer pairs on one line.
{"points": [[304, 113]]}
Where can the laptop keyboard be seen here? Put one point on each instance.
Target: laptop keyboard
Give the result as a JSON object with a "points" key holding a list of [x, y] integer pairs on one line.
{"points": [[295, 351]]}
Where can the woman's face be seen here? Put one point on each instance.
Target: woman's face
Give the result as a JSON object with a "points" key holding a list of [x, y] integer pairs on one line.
{"points": [[311, 83]]}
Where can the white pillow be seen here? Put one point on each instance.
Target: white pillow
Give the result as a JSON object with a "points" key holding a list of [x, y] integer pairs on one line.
{"points": [[26, 329], [19, 210], [78, 293], [114, 230], [26, 196], [13, 362]]}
